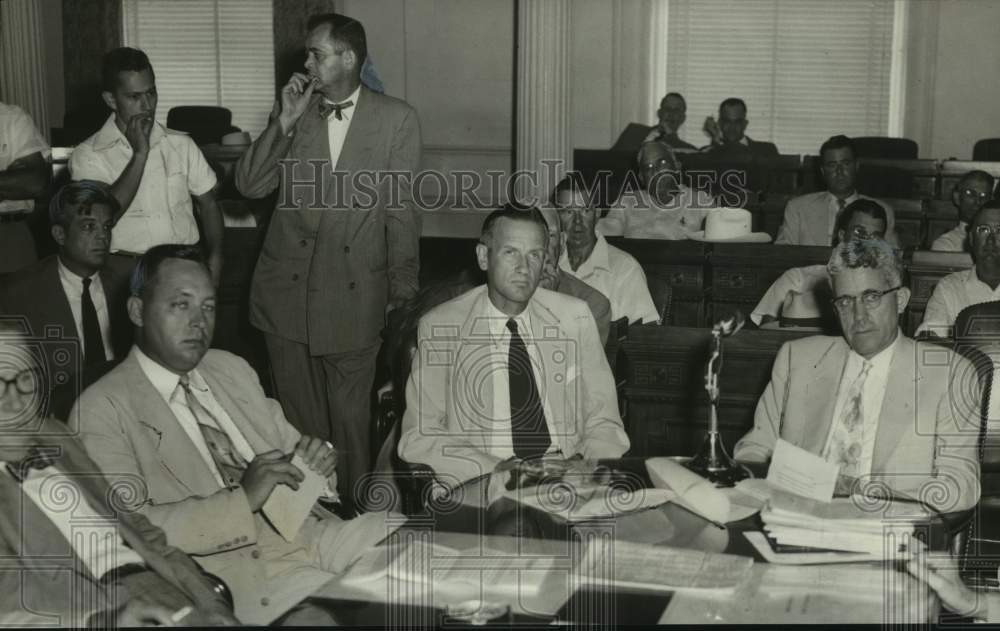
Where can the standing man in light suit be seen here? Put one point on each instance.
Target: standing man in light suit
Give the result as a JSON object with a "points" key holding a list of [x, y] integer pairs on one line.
{"points": [[336, 258]]}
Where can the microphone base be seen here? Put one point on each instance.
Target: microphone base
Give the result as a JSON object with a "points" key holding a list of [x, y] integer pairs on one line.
{"points": [[714, 463]]}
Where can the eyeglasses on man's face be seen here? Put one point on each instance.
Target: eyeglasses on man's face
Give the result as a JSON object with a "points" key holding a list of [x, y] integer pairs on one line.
{"points": [[985, 229], [972, 193], [870, 298], [860, 232], [25, 382]]}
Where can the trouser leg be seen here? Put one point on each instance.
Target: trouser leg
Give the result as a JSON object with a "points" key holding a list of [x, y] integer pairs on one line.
{"points": [[300, 380]]}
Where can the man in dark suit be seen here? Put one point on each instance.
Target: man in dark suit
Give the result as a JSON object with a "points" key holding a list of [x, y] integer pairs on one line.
{"points": [[337, 256], [728, 137], [85, 562], [72, 293], [671, 115]]}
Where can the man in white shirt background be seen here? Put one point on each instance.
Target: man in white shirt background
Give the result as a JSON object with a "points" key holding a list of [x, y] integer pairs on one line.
{"points": [[969, 195], [74, 292], [24, 174], [153, 171], [810, 218], [589, 257]]}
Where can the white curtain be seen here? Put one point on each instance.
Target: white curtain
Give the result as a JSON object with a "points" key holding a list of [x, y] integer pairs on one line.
{"points": [[22, 67]]}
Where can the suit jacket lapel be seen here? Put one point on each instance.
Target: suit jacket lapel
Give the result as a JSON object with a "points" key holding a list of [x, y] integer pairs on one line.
{"points": [[227, 394], [897, 414], [557, 393], [470, 381], [822, 387], [184, 462], [59, 302]]}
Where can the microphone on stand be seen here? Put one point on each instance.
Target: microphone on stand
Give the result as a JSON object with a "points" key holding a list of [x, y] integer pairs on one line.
{"points": [[730, 325]]}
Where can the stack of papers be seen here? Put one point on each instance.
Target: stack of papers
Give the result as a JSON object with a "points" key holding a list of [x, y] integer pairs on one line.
{"points": [[846, 524], [661, 568]]}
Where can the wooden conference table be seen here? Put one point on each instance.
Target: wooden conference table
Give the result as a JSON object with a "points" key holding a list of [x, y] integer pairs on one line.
{"points": [[843, 593]]}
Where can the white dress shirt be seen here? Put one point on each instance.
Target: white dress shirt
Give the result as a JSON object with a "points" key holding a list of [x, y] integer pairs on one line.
{"points": [[953, 240], [94, 537], [954, 292], [337, 129], [834, 208], [618, 276], [871, 399], [73, 288], [168, 385], [162, 210], [501, 443], [19, 138], [641, 217]]}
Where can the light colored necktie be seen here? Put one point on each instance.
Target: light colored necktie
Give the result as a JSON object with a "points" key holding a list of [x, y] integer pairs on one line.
{"points": [[848, 435], [229, 461]]}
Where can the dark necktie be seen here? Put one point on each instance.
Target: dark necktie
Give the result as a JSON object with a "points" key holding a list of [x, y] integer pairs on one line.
{"points": [[93, 342], [36, 459], [229, 461], [325, 109], [529, 433]]}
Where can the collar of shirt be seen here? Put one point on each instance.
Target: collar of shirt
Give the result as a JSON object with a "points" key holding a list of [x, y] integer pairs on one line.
{"points": [[681, 200], [163, 380], [972, 279], [109, 135], [880, 363], [70, 278], [847, 200], [598, 259], [345, 113], [497, 321]]}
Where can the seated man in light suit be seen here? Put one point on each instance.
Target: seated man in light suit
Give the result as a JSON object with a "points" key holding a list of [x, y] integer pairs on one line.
{"points": [[507, 371], [195, 427], [886, 409], [86, 562]]}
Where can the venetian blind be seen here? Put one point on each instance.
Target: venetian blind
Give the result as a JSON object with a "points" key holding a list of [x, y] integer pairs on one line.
{"points": [[208, 52], [807, 70]]}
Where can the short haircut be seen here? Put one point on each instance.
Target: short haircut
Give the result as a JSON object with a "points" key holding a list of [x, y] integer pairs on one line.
{"points": [[77, 198], [514, 213], [839, 141], [993, 204], [646, 146], [572, 182], [731, 101], [677, 95], [346, 30], [122, 59], [874, 254], [977, 174], [865, 206], [144, 275]]}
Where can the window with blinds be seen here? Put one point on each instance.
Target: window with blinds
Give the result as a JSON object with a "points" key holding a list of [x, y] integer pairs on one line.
{"points": [[208, 52], [807, 70]]}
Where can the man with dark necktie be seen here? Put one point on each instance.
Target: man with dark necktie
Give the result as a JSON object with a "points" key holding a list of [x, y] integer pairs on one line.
{"points": [[337, 256], [72, 293], [509, 371]]}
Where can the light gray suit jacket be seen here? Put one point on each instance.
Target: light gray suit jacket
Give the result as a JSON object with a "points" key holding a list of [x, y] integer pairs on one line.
{"points": [[807, 220], [449, 397], [926, 441], [332, 261]]}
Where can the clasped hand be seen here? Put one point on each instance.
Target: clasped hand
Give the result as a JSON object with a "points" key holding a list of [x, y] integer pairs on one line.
{"points": [[269, 469]]}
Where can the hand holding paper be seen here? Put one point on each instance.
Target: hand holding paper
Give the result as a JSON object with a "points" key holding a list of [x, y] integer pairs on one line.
{"points": [[287, 508]]}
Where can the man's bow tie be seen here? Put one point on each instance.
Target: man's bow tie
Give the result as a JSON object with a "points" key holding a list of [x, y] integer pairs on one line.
{"points": [[36, 459], [325, 109]]}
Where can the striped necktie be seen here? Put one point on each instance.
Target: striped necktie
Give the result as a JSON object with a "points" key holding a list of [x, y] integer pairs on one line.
{"points": [[227, 459]]}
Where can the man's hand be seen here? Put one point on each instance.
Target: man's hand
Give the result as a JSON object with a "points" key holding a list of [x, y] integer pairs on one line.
{"points": [[318, 454], [294, 100], [137, 132], [941, 574], [267, 471], [712, 129], [140, 612]]}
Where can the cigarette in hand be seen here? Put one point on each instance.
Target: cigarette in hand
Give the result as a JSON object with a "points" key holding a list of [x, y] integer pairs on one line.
{"points": [[181, 613]]}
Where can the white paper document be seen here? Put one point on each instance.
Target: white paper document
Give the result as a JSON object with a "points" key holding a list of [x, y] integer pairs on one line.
{"points": [[287, 508], [694, 492], [798, 471]]}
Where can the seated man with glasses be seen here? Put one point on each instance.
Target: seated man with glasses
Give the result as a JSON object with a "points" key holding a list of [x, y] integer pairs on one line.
{"points": [[972, 191], [665, 208], [973, 286], [894, 414], [862, 219]]}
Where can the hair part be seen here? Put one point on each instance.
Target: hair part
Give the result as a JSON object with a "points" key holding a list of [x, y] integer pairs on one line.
{"points": [[144, 275], [868, 207], [120, 60], [346, 30], [513, 213], [875, 254], [675, 165], [993, 204], [839, 141], [978, 175], [77, 198]]}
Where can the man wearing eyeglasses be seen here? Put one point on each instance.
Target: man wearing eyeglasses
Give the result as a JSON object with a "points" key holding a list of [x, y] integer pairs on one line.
{"points": [[85, 562], [665, 208], [973, 286], [972, 191], [888, 411], [810, 219]]}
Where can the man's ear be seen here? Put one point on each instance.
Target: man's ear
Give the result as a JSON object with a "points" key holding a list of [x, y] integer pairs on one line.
{"points": [[134, 306], [350, 59], [902, 298], [482, 257], [58, 234], [109, 100]]}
